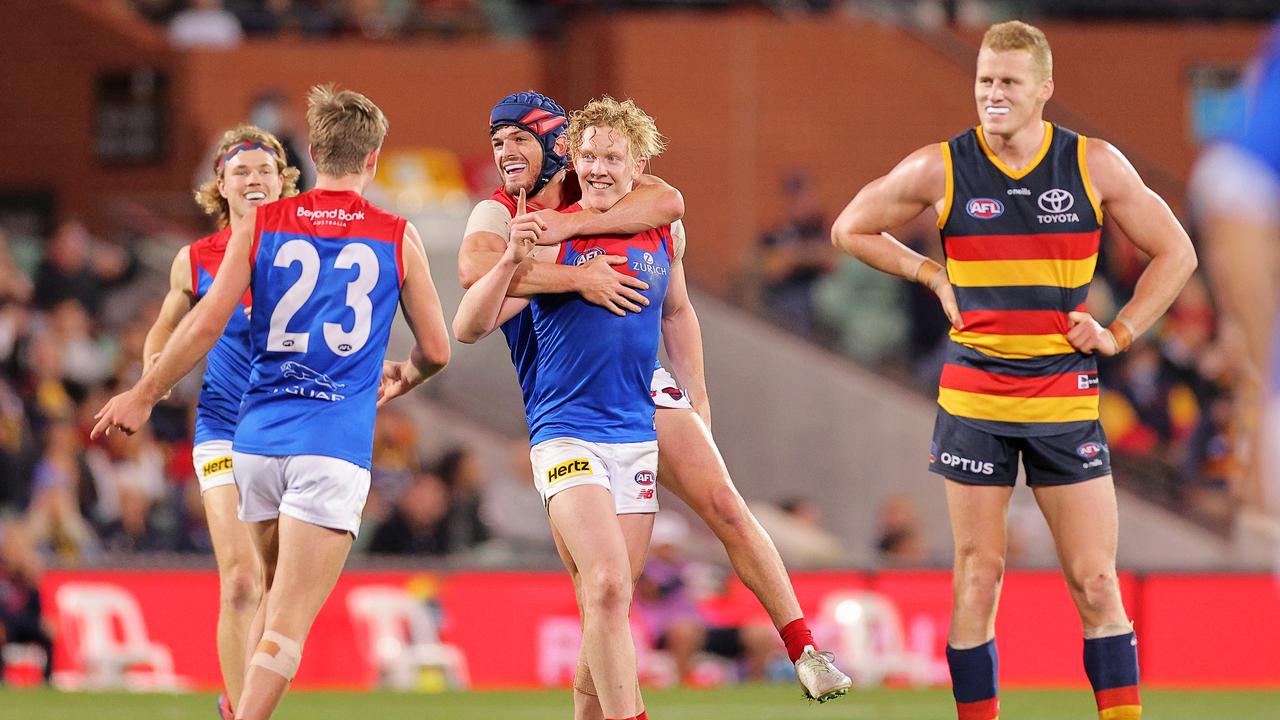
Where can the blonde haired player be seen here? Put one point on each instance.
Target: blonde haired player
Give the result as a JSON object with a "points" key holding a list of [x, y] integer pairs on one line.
{"points": [[1020, 204], [594, 448], [249, 170], [327, 270], [529, 151]]}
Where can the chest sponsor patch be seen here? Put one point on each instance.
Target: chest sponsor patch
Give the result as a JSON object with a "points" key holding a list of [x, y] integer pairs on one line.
{"points": [[217, 466], [577, 467]]}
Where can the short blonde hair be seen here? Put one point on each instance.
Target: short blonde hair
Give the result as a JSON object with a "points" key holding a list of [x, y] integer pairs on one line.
{"points": [[207, 195], [625, 117], [345, 127], [1017, 35]]}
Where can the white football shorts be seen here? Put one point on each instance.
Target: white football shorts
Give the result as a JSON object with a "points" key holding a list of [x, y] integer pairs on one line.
{"points": [[666, 393], [628, 470], [212, 459], [320, 490]]}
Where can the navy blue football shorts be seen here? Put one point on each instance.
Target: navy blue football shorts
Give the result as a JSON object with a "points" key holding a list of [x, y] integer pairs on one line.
{"points": [[967, 454]]}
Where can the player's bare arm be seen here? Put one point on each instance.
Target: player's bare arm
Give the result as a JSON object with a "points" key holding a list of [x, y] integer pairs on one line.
{"points": [[1149, 223], [177, 303], [485, 304], [595, 281], [421, 306], [891, 201], [191, 340], [651, 204], [682, 335]]}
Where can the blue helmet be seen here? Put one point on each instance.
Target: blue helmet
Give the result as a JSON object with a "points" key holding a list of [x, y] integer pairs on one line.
{"points": [[541, 117]]}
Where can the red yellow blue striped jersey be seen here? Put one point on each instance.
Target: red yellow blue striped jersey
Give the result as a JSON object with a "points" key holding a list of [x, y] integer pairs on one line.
{"points": [[1021, 248]]}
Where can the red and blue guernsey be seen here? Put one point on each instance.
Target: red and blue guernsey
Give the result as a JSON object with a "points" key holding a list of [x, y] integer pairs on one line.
{"points": [[327, 272], [227, 374], [593, 368]]}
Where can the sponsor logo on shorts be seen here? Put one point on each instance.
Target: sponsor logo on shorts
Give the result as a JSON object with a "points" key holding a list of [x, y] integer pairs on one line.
{"points": [[984, 208], [645, 494], [589, 254], [568, 469], [217, 466], [645, 477], [933, 452], [674, 393], [969, 465], [1092, 453]]}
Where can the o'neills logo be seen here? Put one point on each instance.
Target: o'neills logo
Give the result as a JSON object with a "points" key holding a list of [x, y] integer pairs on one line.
{"points": [[334, 214]]}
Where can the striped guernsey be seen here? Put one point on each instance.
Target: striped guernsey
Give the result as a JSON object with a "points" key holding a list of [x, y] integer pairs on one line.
{"points": [[1021, 250]]}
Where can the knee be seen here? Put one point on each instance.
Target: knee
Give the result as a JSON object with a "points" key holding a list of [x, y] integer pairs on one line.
{"points": [[607, 590], [726, 513], [978, 576], [1095, 591], [241, 587]]}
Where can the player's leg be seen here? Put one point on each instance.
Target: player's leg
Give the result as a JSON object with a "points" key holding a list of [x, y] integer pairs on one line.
{"points": [[584, 516], [636, 530], [1083, 519], [240, 581], [690, 466], [978, 533], [310, 560]]}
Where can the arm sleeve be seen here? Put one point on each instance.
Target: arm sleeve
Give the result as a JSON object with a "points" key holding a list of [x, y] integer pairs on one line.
{"points": [[489, 216]]}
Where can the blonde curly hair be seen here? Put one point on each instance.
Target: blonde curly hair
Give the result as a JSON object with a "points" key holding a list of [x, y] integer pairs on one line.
{"points": [[207, 195], [626, 117]]}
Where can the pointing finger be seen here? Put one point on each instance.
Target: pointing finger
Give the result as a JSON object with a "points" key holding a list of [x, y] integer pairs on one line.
{"points": [[520, 203]]}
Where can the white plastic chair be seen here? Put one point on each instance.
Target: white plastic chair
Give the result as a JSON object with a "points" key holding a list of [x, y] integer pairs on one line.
{"points": [[402, 638], [90, 613], [870, 639]]}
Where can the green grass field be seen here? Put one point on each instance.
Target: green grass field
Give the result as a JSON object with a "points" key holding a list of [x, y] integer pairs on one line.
{"points": [[759, 702]]}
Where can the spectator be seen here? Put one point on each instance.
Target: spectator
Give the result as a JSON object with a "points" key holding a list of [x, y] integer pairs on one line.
{"points": [[795, 255], [15, 286], [463, 474], [76, 267], [667, 605], [900, 538], [54, 516], [417, 523], [205, 25], [128, 472], [21, 616], [796, 528]]}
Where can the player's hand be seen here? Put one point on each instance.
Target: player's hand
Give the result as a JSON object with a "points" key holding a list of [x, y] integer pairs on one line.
{"points": [[1088, 336], [557, 226], [398, 378], [525, 226], [941, 286], [600, 284], [519, 243], [127, 411]]}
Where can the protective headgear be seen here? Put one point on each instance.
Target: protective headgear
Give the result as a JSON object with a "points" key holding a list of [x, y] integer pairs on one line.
{"points": [[541, 117]]}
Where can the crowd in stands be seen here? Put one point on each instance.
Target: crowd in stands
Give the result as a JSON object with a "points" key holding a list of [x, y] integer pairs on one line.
{"points": [[1167, 402]]}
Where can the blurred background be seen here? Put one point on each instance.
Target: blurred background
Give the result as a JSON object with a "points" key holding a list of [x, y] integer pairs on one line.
{"points": [[821, 371]]}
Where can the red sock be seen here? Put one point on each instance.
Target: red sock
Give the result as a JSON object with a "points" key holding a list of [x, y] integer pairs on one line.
{"points": [[795, 635], [644, 715]]}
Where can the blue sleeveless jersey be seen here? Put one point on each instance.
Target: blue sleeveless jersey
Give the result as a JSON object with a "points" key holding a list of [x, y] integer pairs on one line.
{"points": [[226, 374], [1260, 131], [593, 368], [327, 271]]}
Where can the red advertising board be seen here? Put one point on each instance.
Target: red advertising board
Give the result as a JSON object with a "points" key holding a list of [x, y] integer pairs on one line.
{"points": [[521, 629]]}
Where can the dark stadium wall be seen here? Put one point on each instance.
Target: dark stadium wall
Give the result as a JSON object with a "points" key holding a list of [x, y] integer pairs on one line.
{"points": [[52, 54]]}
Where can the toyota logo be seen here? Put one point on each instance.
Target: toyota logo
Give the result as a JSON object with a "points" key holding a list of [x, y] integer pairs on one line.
{"points": [[1056, 200]]}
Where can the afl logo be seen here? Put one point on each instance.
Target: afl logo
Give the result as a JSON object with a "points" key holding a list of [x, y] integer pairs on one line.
{"points": [[589, 254], [1056, 200], [644, 477], [984, 208], [1090, 450]]}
